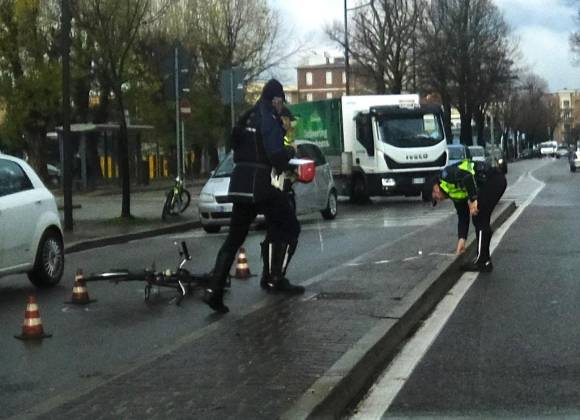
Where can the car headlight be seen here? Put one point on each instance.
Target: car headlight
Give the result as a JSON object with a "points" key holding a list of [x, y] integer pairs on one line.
{"points": [[500, 161], [206, 197]]}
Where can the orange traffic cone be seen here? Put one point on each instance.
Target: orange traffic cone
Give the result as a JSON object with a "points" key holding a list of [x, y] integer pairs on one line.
{"points": [[242, 268], [80, 294], [32, 326]]}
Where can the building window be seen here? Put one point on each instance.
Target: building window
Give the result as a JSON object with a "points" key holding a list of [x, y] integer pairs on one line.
{"points": [[328, 77], [344, 78], [328, 95], [309, 97], [309, 79], [566, 104]]}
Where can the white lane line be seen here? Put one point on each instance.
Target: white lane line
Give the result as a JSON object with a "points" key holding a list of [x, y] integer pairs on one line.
{"points": [[384, 392], [382, 262], [410, 259]]}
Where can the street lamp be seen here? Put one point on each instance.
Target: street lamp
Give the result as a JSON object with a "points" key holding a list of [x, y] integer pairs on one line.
{"points": [[346, 59]]}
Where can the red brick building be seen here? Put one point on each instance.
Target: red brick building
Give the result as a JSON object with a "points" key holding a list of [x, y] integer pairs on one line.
{"points": [[326, 81]]}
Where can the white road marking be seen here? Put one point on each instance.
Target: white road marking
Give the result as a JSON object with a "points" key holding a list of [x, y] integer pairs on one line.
{"points": [[386, 389], [382, 262], [410, 259]]}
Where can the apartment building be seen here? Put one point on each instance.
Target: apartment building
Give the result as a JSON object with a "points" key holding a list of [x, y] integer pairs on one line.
{"points": [[568, 130]]}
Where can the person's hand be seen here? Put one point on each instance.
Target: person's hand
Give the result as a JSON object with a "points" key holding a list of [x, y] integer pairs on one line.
{"points": [[460, 246], [473, 209]]}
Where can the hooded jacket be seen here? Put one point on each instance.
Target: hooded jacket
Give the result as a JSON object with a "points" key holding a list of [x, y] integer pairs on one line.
{"points": [[258, 143]]}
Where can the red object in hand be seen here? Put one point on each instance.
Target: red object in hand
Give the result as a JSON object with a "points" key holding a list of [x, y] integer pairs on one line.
{"points": [[305, 170]]}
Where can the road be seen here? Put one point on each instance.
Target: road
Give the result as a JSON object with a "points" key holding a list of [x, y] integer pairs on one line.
{"points": [[503, 344], [119, 332]]}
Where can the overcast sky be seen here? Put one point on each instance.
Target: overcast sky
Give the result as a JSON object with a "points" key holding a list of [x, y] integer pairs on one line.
{"points": [[542, 28]]}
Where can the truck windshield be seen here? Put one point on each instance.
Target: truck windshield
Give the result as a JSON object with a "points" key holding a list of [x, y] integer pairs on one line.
{"points": [[414, 130]]}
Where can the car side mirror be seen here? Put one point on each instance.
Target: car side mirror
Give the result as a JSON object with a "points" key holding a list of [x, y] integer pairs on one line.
{"points": [[211, 172]]}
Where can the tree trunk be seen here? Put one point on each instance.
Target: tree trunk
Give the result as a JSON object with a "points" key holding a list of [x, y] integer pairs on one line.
{"points": [[123, 154], [37, 152], [447, 122], [479, 126], [466, 136]]}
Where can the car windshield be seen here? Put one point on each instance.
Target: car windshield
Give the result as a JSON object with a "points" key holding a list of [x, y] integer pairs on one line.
{"points": [[225, 168], [414, 130], [456, 153], [476, 151]]}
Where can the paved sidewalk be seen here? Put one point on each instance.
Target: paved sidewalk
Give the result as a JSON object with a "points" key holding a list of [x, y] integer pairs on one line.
{"points": [[302, 357], [97, 221]]}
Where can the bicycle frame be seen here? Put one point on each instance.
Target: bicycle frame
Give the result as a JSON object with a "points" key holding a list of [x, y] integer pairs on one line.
{"points": [[180, 280]]}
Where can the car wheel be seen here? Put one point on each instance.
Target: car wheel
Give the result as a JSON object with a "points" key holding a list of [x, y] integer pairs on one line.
{"points": [[331, 209], [49, 261], [359, 193], [211, 228]]}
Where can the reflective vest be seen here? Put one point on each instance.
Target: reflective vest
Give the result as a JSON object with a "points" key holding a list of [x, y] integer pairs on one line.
{"points": [[458, 191]]}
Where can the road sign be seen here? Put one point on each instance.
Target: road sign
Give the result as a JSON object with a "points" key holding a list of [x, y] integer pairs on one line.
{"points": [[232, 85], [185, 107]]}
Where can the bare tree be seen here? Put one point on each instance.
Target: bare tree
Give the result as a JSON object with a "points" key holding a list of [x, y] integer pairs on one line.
{"points": [[115, 26], [467, 54], [382, 41]]}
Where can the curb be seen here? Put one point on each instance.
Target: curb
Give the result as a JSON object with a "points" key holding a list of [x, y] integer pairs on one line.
{"points": [[119, 239], [351, 376]]}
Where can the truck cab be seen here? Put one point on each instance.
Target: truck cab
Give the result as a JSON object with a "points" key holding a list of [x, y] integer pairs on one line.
{"points": [[395, 147]]}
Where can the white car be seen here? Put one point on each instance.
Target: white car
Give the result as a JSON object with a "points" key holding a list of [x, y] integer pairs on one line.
{"points": [[31, 239], [215, 207]]}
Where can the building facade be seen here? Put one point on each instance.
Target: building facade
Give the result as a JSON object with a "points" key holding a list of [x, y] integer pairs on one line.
{"points": [[568, 129]]}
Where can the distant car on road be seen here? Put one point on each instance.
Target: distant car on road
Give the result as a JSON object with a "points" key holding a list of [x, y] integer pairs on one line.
{"points": [[574, 160], [457, 153], [477, 153], [495, 158], [215, 207], [548, 148], [31, 239], [562, 151]]}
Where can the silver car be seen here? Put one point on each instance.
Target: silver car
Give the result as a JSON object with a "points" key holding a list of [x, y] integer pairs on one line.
{"points": [[215, 207]]}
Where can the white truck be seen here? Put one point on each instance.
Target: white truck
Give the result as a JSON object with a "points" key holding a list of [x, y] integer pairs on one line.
{"points": [[376, 144], [548, 148]]}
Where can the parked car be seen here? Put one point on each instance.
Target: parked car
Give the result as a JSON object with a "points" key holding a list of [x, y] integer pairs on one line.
{"points": [[574, 160], [457, 153], [562, 151], [215, 207], [495, 158], [477, 153], [54, 175], [32, 239]]}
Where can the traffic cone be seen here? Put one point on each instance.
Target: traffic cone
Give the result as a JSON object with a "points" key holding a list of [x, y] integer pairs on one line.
{"points": [[80, 294], [32, 326], [242, 268]]}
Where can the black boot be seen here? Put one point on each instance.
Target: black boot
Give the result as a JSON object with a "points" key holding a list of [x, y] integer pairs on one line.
{"points": [[214, 294], [265, 266], [482, 262], [279, 255]]}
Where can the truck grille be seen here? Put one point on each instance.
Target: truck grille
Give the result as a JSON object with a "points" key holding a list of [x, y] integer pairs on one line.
{"points": [[396, 165]]}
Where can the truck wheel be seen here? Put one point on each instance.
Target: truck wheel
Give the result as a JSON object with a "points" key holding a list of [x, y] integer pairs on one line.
{"points": [[211, 228], [359, 194]]}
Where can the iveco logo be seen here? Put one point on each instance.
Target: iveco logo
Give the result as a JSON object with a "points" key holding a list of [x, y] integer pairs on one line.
{"points": [[417, 156]]}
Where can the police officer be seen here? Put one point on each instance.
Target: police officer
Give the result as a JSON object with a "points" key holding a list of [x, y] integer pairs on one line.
{"points": [[475, 191], [259, 155]]}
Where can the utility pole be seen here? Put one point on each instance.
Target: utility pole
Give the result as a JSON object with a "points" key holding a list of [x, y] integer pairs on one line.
{"points": [[66, 110], [346, 60], [177, 131]]}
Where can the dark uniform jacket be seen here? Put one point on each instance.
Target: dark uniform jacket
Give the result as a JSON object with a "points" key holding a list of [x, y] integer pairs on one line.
{"points": [[458, 181], [258, 143]]}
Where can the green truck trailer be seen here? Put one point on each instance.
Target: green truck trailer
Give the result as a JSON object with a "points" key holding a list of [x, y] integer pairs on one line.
{"points": [[376, 144]]}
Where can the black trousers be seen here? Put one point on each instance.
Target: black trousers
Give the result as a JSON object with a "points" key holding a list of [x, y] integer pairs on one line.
{"points": [[282, 226], [488, 197]]}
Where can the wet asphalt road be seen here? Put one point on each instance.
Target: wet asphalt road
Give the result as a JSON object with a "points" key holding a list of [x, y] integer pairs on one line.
{"points": [[511, 348], [92, 344]]}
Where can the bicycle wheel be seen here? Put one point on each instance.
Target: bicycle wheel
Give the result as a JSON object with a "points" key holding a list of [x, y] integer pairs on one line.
{"points": [[184, 200], [167, 205]]}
